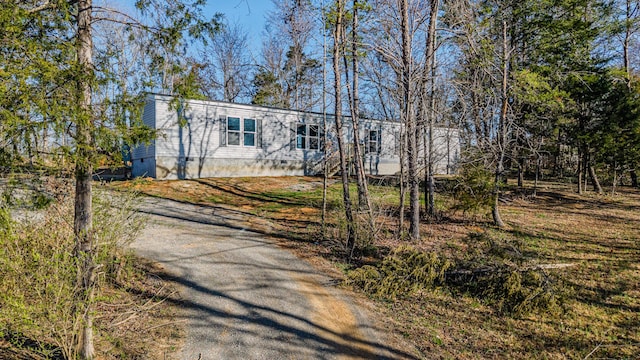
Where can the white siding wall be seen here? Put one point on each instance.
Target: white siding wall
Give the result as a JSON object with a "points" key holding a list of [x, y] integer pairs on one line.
{"points": [[200, 135], [149, 119], [196, 148], [446, 150], [143, 157]]}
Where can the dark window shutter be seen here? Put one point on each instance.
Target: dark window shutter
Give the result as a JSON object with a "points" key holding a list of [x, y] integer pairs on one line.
{"points": [[292, 136], [223, 131], [380, 139], [259, 133]]}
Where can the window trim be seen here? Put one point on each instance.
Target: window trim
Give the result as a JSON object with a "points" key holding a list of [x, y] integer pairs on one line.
{"points": [[257, 132], [245, 132], [239, 131], [303, 140], [375, 142]]}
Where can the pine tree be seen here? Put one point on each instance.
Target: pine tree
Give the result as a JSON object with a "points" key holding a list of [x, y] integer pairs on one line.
{"points": [[50, 78]]}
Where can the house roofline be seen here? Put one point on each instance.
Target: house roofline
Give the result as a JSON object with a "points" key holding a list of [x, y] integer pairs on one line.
{"points": [[268, 107], [284, 109]]}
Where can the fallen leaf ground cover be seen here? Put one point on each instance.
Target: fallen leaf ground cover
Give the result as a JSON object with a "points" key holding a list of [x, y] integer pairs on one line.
{"points": [[597, 236], [133, 321], [134, 309]]}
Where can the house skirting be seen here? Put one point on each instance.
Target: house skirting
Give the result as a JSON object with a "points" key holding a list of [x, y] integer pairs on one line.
{"points": [[191, 168], [172, 168]]}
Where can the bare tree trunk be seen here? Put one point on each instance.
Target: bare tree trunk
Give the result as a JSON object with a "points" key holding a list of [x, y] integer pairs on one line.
{"points": [[431, 186], [403, 185], [594, 179], [325, 146], [585, 172], [495, 209], [634, 178], [627, 39], [580, 172], [325, 181], [430, 203], [615, 178], [502, 127], [83, 208], [337, 37], [557, 157], [412, 135], [364, 202], [521, 173], [535, 184]]}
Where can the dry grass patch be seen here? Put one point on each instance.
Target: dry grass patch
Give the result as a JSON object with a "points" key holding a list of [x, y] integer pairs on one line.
{"points": [[598, 234], [133, 318], [139, 317]]}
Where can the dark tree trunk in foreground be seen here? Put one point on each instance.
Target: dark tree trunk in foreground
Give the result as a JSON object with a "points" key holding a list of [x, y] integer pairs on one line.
{"points": [[83, 207], [412, 134], [403, 184]]}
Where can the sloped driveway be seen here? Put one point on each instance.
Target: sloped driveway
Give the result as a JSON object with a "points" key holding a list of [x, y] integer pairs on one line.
{"points": [[246, 298]]}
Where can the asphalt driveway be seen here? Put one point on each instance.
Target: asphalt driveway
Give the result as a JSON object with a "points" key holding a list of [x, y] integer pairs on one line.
{"points": [[246, 298]]}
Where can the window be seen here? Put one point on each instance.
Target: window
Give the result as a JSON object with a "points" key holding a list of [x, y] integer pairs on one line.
{"points": [[240, 132], [301, 137], [233, 131], [373, 142], [249, 132], [307, 137], [314, 137]]}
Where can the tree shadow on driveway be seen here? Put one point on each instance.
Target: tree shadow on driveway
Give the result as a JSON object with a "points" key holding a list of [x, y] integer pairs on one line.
{"points": [[245, 298]]}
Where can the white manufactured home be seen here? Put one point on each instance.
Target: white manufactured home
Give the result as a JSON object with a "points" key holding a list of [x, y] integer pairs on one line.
{"points": [[200, 139]]}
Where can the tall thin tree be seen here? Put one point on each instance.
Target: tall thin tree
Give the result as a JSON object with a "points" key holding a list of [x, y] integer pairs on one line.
{"points": [[364, 201], [338, 29], [410, 123]]}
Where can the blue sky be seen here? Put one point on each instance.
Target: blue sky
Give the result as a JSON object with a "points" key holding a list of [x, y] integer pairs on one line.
{"points": [[250, 14]]}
